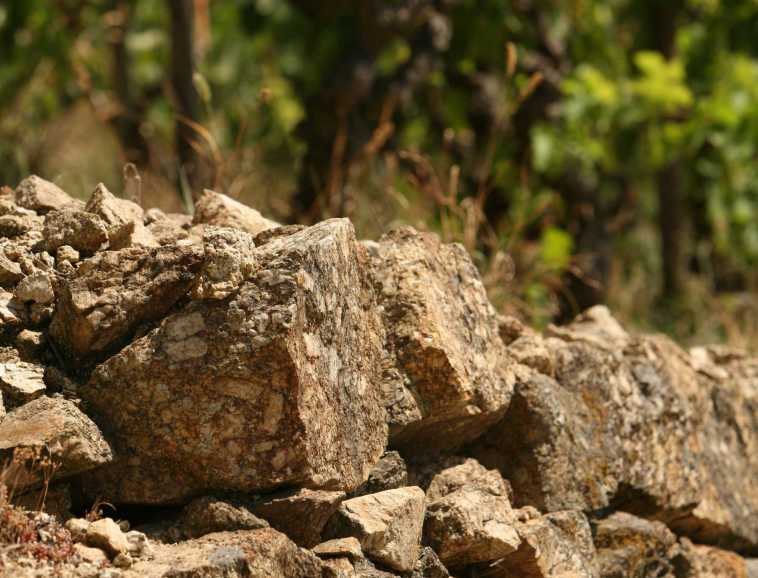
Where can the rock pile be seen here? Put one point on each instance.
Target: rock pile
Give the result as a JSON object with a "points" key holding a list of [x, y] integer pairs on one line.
{"points": [[288, 401]]}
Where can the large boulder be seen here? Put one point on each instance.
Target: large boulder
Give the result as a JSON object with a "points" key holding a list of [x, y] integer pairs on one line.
{"points": [[214, 208], [114, 292], [634, 421], [273, 386], [447, 376]]}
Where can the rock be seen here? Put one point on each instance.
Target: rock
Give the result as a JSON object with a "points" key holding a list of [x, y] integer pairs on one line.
{"points": [[273, 386], [42, 196], [106, 535], [429, 566], [448, 377], [635, 421], [510, 328], [21, 382], [167, 230], [36, 288], [276, 232], [30, 344], [229, 261], [52, 427], [77, 527], [470, 525], [123, 560], [704, 561], [139, 545], [55, 501], [552, 546], [388, 525], [337, 568], [348, 547], [17, 225], [286, 512], [11, 313], [66, 253], [207, 515], [114, 292], [470, 474], [533, 351], [217, 209], [82, 231], [388, 474], [263, 553], [93, 555], [631, 546], [124, 220], [10, 271]]}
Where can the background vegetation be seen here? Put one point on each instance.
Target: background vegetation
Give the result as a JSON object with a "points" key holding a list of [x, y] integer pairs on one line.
{"points": [[584, 151]]}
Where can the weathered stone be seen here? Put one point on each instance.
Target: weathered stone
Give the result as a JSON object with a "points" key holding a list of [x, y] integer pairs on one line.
{"points": [[707, 562], [54, 428], [287, 512], [470, 474], [556, 545], [261, 553], [533, 351], [167, 230], [139, 545], [10, 271], [21, 382], [214, 208], [635, 421], [470, 525], [337, 568], [17, 225], [274, 233], [93, 555], [11, 313], [207, 515], [67, 253], [106, 535], [389, 473], [114, 292], [82, 231], [30, 344], [229, 262], [273, 386], [36, 288], [631, 546], [447, 377], [77, 527], [429, 566], [124, 220], [348, 547], [388, 525], [42, 196], [510, 328]]}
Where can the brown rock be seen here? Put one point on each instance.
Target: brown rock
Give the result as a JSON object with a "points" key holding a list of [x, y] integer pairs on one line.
{"points": [[468, 474], [470, 525], [35, 288], [301, 514], [448, 376], [429, 566], [93, 555], [30, 344], [56, 428], [706, 562], [10, 271], [106, 535], [273, 386], [123, 219], [84, 232], [207, 515], [17, 225], [348, 547], [388, 525], [217, 209], [21, 382], [229, 262], [114, 292], [389, 473], [42, 196], [263, 553]]}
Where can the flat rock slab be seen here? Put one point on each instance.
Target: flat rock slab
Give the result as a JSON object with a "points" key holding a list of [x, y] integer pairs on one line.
{"points": [[21, 382], [273, 386], [55, 428], [447, 376]]}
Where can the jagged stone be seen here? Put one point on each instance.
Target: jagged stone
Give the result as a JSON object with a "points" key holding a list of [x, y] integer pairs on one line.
{"points": [[42, 196], [389, 473], [124, 220], [114, 292], [447, 377], [274, 386], [429, 566], [387, 524], [17, 225], [287, 512], [21, 382], [30, 344], [82, 231], [106, 535], [229, 261], [214, 208], [470, 474], [556, 545], [275, 232], [470, 525], [35, 288], [263, 553], [632, 420], [707, 562], [208, 514], [10, 271], [348, 547], [51, 428]]}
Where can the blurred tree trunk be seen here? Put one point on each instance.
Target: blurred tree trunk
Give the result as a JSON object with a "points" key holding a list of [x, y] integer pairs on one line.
{"points": [[187, 99]]}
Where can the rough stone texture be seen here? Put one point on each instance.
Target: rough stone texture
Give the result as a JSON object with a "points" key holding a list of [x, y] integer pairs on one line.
{"points": [[301, 514], [706, 562], [556, 545], [470, 473], [429, 566], [42, 196], [123, 219], [30, 344], [636, 423], [229, 261], [208, 514], [35, 288], [447, 376], [21, 382], [57, 428], [348, 547], [85, 232], [273, 386], [389, 473], [114, 292], [106, 535], [214, 208], [470, 525], [388, 525], [263, 553], [10, 271]]}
